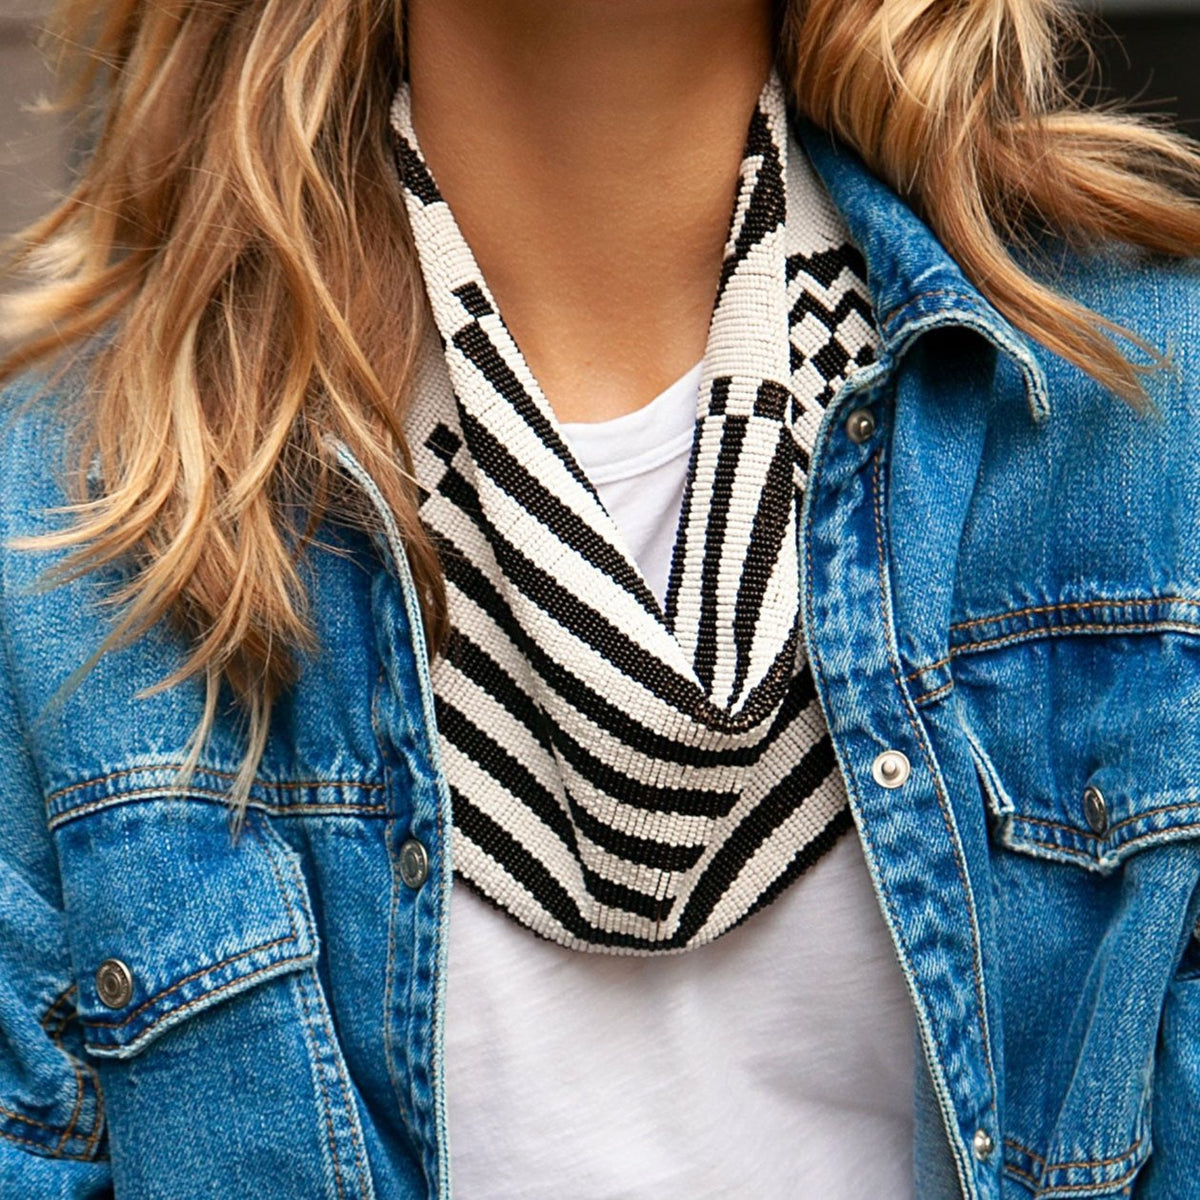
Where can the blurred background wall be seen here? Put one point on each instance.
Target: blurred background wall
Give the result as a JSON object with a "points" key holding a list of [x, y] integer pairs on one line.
{"points": [[1149, 51], [33, 150]]}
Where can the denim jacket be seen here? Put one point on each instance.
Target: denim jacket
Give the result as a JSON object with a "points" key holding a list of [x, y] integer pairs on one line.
{"points": [[1000, 581]]}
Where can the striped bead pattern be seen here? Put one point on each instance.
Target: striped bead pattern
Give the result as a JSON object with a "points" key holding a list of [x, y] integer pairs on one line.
{"points": [[625, 778]]}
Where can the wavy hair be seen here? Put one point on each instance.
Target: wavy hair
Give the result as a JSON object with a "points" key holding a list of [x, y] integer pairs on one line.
{"points": [[233, 269]]}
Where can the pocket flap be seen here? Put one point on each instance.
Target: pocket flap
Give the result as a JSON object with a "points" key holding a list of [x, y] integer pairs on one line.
{"points": [[1086, 748], [168, 915], [1096, 821]]}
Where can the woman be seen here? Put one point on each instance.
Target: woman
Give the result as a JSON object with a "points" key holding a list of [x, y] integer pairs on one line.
{"points": [[723, 727]]}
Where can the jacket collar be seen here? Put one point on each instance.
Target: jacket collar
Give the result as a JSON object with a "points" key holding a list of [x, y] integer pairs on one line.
{"points": [[914, 283]]}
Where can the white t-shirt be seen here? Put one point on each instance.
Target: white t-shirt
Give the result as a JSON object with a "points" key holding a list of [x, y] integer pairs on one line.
{"points": [[775, 1063]]}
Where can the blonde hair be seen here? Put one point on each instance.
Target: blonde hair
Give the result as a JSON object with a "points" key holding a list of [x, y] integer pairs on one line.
{"points": [[234, 268]]}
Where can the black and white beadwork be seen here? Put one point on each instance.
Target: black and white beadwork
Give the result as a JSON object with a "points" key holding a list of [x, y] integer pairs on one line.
{"points": [[627, 779]]}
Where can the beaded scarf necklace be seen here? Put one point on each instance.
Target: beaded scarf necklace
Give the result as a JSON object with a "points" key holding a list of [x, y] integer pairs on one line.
{"points": [[627, 778]]}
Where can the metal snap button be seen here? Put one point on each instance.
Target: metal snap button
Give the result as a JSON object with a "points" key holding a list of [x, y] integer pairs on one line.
{"points": [[860, 424], [891, 769], [114, 983], [983, 1145], [1095, 810], [414, 864]]}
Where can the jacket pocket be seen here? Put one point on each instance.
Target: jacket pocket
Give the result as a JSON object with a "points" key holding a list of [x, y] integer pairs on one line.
{"points": [[1086, 753], [1088, 749], [202, 1008], [169, 916], [1100, 818]]}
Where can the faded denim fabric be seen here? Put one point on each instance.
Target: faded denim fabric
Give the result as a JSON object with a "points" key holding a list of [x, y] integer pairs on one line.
{"points": [[1002, 582]]}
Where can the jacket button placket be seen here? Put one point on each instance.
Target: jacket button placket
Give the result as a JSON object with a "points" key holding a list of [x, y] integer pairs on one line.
{"points": [[898, 797], [418, 844]]}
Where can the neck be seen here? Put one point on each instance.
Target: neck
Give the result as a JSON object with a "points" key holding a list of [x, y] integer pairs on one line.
{"points": [[589, 150]]}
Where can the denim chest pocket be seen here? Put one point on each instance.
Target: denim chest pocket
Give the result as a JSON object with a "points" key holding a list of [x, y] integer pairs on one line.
{"points": [[195, 958], [1088, 749], [168, 916], [1087, 752]]}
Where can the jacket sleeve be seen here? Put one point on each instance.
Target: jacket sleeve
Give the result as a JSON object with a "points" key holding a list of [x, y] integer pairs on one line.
{"points": [[52, 1142]]}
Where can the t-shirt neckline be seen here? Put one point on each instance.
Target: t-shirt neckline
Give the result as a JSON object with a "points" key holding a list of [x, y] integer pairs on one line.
{"points": [[636, 442]]}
